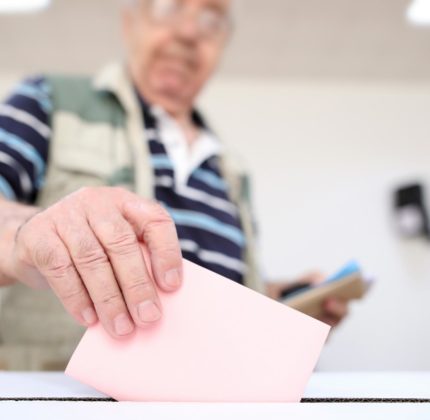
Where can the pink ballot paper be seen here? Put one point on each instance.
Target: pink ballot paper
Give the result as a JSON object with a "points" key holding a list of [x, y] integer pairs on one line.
{"points": [[218, 341]]}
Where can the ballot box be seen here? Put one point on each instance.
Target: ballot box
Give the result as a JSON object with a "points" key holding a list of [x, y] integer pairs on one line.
{"points": [[383, 395]]}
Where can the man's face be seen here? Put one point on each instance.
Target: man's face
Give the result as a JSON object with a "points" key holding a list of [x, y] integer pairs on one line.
{"points": [[173, 47]]}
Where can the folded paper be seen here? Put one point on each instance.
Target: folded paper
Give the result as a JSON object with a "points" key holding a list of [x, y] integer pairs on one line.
{"points": [[217, 341]]}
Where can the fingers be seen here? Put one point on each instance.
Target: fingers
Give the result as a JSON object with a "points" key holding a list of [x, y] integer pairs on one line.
{"points": [[153, 225], [274, 290], [122, 247], [52, 260], [96, 272], [334, 311], [336, 307]]}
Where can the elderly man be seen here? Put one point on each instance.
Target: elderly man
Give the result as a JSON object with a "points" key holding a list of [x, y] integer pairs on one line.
{"points": [[90, 169]]}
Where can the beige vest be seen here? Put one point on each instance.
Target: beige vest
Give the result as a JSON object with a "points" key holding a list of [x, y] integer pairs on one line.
{"points": [[97, 139]]}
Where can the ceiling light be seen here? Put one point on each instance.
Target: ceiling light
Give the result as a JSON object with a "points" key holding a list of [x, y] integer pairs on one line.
{"points": [[23, 6], [419, 12]]}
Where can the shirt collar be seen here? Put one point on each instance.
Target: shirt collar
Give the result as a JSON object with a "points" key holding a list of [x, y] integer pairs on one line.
{"points": [[184, 159]]}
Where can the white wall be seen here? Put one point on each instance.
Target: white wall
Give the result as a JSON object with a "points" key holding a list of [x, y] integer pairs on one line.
{"points": [[7, 81], [325, 159]]}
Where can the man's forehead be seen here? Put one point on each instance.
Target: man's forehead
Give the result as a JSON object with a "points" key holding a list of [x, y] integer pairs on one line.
{"points": [[220, 4]]}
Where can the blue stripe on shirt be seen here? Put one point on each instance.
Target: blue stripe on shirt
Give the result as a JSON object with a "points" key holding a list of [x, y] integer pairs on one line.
{"points": [[161, 162], [23, 118], [25, 131], [210, 178], [27, 150], [38, 93], [203, 221], [210, 241], [6, 189]]}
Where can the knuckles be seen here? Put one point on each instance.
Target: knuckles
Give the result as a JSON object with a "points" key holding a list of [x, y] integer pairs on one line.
{"points": [[117, 236], [158, 213], [51, 260], [91, 258], [38, 236], [94, 193]]}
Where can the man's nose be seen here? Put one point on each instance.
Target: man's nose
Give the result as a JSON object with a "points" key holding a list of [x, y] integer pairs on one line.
{"points": [[188, 29]]}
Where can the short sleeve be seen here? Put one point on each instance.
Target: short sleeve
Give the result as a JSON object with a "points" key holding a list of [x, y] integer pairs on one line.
{"points": [[24, 136]]}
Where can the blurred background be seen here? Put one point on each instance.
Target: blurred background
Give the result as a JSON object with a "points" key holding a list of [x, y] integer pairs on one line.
{"points": [[340, 90]]}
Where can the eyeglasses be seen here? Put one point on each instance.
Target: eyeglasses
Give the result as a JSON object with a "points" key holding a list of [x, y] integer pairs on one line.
{"points": [[210, 22]]}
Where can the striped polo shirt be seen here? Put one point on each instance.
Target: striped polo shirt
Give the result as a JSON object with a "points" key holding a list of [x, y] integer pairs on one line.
{"points": [[207, 222]]}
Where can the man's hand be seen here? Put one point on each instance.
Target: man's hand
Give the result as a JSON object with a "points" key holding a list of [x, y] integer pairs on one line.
{"points": [[87, 248], [333, 310]]}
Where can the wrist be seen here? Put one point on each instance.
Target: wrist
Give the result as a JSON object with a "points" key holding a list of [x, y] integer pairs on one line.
{"points": [[12, 216], [7, 239]]}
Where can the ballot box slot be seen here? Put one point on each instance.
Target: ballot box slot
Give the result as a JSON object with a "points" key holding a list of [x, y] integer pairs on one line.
{"points": [[304, 400], [365, 400]]}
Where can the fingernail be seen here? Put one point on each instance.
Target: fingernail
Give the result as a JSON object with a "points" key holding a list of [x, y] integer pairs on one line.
{"points": [[123, 325], [89, 315], [148, 311], [172, 278]]}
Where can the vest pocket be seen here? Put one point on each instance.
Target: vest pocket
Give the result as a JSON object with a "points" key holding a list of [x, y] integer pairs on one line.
{"points": [[69, 171], [83, 162]]}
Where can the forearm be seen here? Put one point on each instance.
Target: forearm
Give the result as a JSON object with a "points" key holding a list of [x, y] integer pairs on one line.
{"points": [[12, 216]]}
